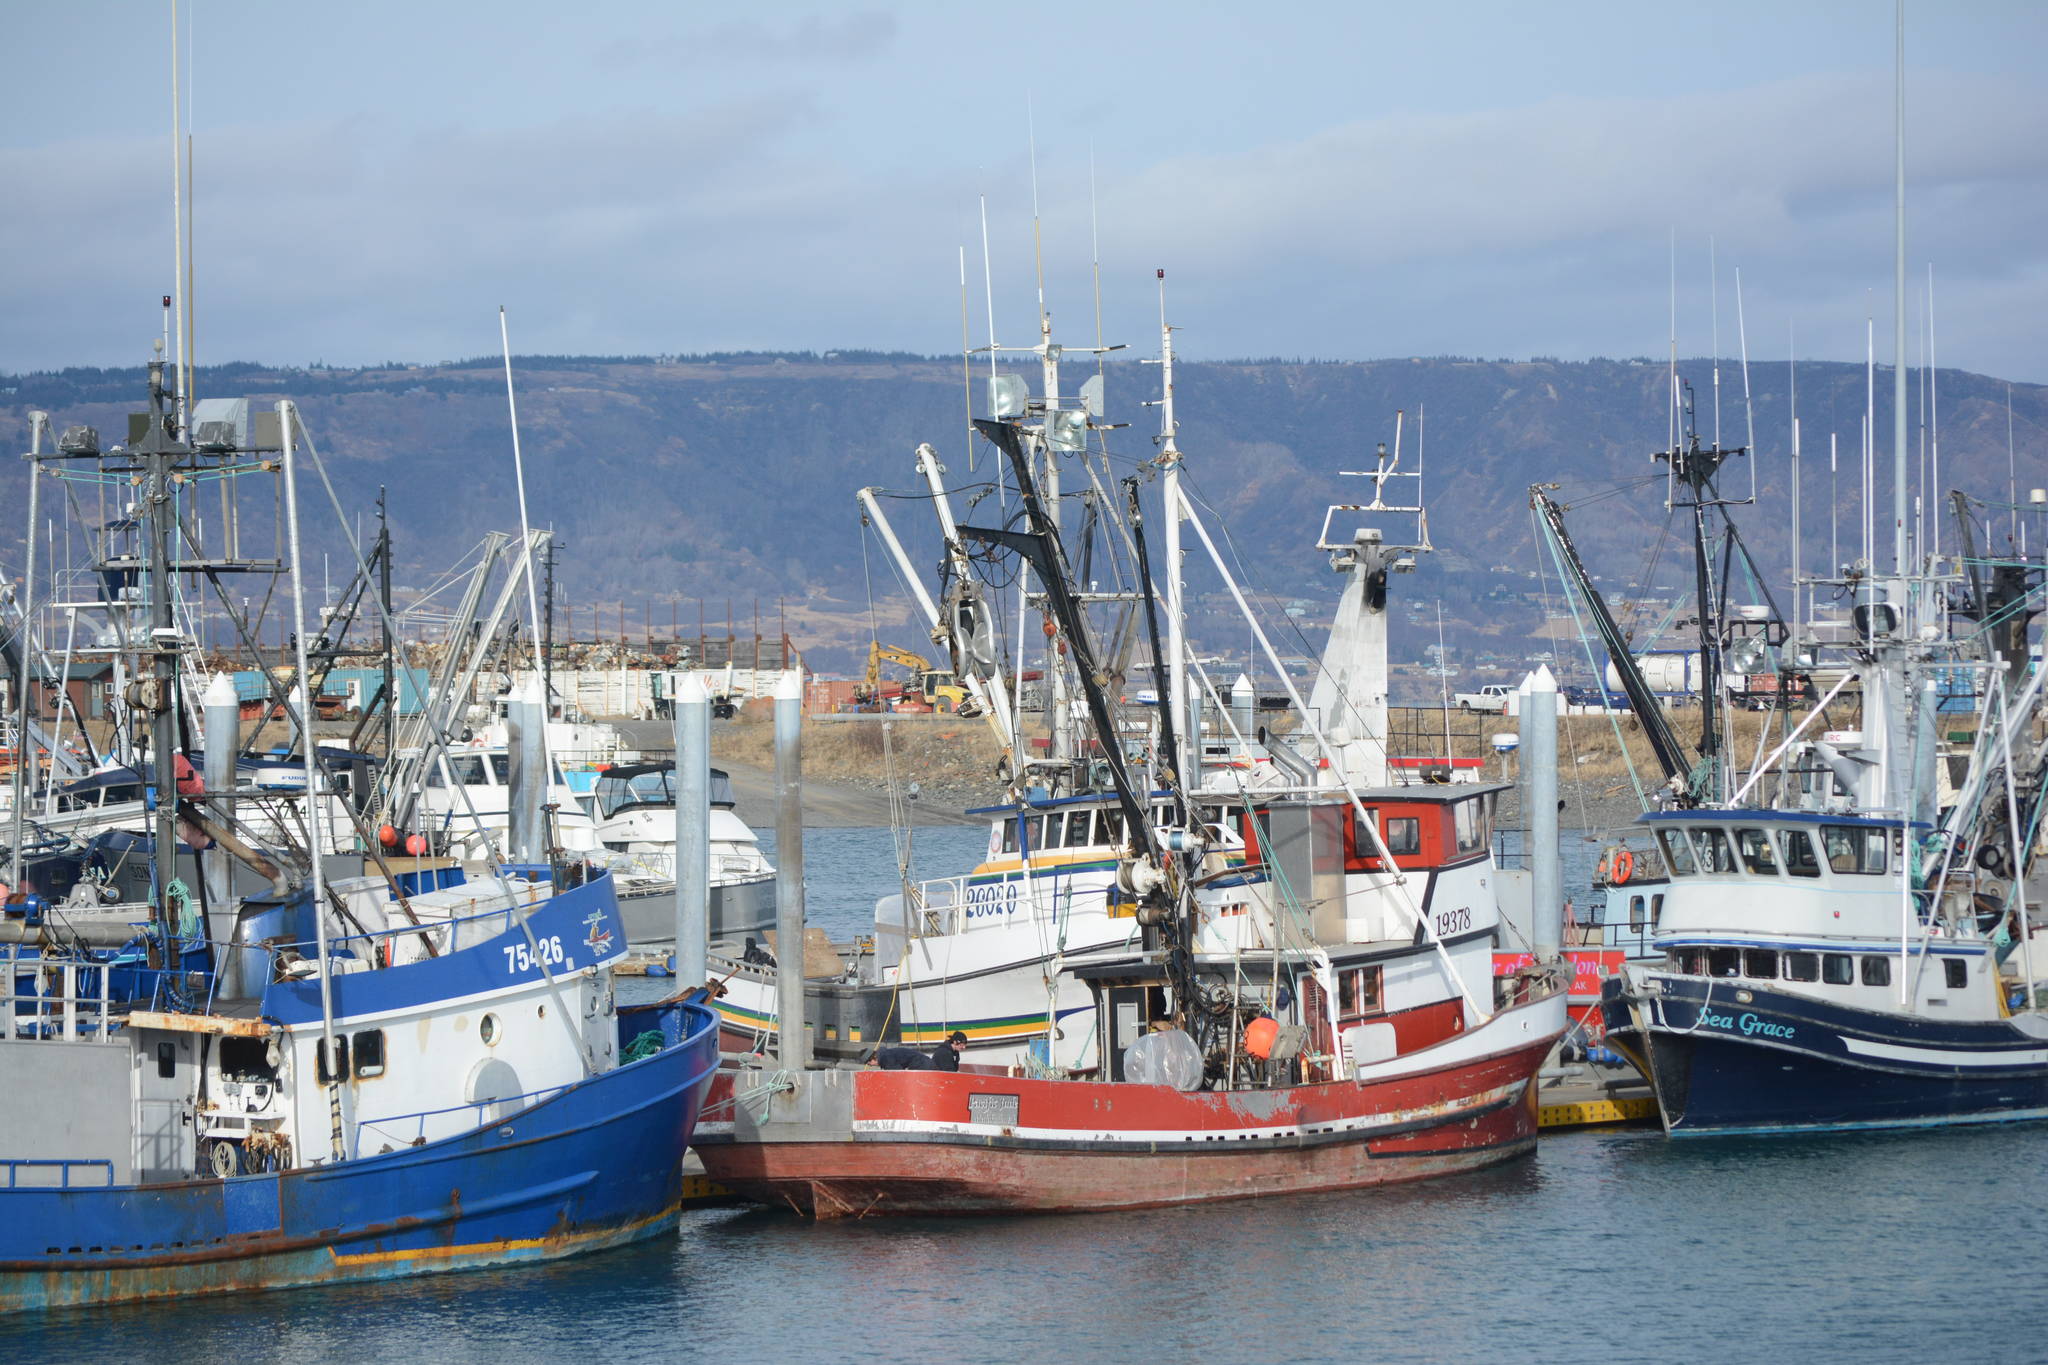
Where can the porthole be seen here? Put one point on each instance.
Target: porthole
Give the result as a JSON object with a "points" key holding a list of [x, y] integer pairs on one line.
{"points": [[487, 1030]]}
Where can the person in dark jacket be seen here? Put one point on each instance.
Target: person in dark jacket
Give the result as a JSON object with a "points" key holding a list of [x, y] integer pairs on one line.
{"points": [[944, 1057]]}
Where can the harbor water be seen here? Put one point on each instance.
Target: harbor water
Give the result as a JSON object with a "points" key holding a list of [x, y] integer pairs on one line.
{"points": [[1606, 1245]]}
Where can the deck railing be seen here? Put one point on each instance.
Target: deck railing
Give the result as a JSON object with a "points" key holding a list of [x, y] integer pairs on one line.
{"points": [[67, 1013], [384, 1126]]}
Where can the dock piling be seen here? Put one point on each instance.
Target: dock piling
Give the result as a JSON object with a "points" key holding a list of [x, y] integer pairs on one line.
{"points": [[792, 1044], [1539, 768], [692, 708]]}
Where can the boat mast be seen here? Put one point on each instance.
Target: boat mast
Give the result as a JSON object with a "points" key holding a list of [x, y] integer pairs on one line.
{"points": [[160, 452], [316, 810], [1175, 693]]}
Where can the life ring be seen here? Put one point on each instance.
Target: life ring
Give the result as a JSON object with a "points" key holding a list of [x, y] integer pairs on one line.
{"points": [[1624, 867]]}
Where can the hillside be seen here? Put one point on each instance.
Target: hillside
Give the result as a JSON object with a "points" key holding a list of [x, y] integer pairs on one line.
{"points": [[732, 478]]}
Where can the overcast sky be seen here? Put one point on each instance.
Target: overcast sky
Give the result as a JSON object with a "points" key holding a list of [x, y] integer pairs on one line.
{"points": [[1338, 180]]}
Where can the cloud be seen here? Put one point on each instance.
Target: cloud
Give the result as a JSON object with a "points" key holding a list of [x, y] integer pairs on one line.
{"points": [[850, 37], [745, 223]]}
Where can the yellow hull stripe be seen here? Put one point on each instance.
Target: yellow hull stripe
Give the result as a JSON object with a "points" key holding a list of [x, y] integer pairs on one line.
{"points": [[498, 1248]]}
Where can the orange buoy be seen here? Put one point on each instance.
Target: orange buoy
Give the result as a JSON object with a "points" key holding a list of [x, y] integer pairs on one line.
{"points": [[1259, 1035], [1051, 629], [415, 844], [387, 836], [1624, 866]]}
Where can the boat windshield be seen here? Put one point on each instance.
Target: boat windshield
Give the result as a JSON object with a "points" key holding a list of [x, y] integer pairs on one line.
{"points": [[646, 787], [1677, 851], [1854, 848]]}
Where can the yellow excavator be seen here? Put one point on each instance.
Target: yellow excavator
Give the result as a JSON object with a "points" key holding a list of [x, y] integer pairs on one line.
{"points": [[932, 685]]}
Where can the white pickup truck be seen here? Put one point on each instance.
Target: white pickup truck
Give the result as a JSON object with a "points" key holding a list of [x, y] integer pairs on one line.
{"points": [[1492, 697]]}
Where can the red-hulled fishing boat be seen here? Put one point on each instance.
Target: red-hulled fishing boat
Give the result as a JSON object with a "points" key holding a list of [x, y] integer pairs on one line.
{"points": [[837, 1143], [1350, 1037]]}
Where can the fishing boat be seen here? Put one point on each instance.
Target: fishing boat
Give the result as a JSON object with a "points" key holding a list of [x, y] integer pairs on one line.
{"points": [[633, 809], [1842, 938], [987, 952], [356, 1077], [1286, 1010]]}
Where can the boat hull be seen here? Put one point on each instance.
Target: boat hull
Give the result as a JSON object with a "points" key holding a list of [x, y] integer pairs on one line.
{"points": [[1780, 1063], [596, 1165], [861, 1143], [737, 908]]}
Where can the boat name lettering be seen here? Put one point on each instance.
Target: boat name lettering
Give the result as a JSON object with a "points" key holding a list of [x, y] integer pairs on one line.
{"points": [[1748, 1025], [520, 958]]}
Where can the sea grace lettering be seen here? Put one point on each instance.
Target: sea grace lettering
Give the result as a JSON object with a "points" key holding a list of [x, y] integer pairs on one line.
{"points": [[1748, 1025]]}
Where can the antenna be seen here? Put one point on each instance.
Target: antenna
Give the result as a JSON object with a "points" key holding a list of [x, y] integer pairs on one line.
{"points": [[1037, 238], [1095, 267], [1714, 312], [1899, 312], [1798, 528], [1933, 407], [966, 361], [1672, 444], [1169, 454], [988, 289], [519, 478], [1748, 407], [1870, 437], [2012, 469], [178, 217], [1834, 512]]}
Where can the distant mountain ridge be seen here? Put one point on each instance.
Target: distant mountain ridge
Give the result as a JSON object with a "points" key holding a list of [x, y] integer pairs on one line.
{"points": [[733, 476]]}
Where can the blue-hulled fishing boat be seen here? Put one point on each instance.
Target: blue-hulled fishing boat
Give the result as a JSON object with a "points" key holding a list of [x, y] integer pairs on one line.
{"points": [[486, 1104]]}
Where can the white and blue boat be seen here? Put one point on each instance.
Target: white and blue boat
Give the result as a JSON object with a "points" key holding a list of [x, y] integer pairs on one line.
{"points": [[485, 1102], [341, 1078]]}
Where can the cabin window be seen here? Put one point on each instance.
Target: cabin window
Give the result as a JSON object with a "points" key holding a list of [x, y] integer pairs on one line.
{"points": [[1469, 826], [1955, 973], [1635, 912], [1712, 847], [1854, 848], [328, 1077], [1838, 969], [1111, 824], [1690, 961], [468, 769], [1802, 966], [1010, 835], [501, 769], [1760, 964], [1656, 909], [1677, 852], [1724, 962], [166, 1060], [437, 775], [369, 1048], [1052, 831], [1877, 971], [1358, 992], [1403, 834], [1800, 859], [1755, 847], [1077, 829]]}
